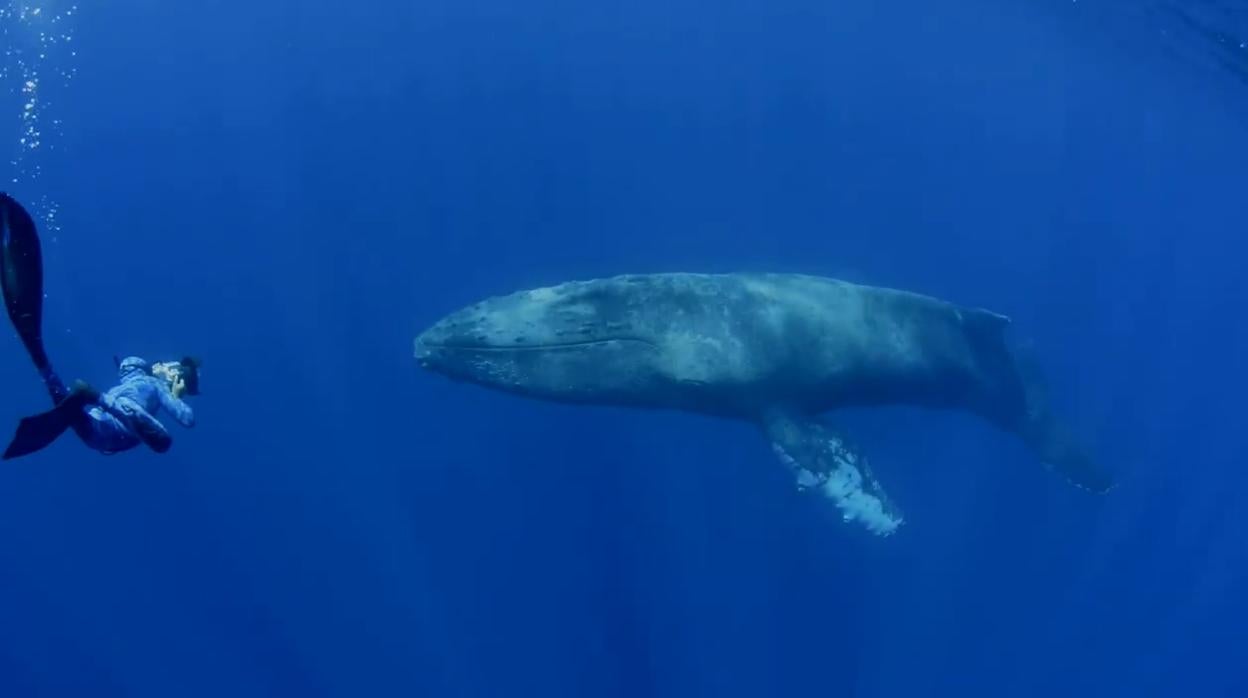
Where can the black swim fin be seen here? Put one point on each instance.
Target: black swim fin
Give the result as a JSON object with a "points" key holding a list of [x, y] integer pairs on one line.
{"points": [[38, 431], [21, 277]]}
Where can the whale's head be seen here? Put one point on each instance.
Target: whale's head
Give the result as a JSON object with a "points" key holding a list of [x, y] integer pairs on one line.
{"points": [[575, 342]]}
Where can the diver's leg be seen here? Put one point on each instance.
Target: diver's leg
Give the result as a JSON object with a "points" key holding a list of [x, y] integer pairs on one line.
{"points": [[148, 428], [103, 431]]}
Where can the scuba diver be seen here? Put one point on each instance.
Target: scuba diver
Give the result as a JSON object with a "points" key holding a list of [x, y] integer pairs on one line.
{"points": [[110, 422]]}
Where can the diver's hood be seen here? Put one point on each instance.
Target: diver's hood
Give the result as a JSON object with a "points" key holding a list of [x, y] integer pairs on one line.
{"points": [[130, 365]]}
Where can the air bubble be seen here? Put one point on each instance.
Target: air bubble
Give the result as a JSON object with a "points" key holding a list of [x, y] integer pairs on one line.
{"points": [[32, 41]]}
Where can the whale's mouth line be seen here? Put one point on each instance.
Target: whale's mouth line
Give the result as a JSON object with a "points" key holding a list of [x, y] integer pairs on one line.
{"points": [[544, 346]]}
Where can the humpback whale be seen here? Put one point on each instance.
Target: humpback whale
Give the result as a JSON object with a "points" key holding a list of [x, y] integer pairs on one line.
{"points": [[777, 350]]}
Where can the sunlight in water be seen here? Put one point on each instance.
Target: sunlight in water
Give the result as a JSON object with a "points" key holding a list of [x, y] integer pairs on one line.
{"points": [[39, 57]]}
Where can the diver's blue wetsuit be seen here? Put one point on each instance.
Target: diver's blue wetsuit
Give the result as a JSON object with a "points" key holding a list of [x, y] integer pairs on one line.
{"points": [[124, 416]]}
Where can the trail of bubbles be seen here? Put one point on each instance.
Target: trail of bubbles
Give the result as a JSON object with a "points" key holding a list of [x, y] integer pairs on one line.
{"points": [[39, 59]]}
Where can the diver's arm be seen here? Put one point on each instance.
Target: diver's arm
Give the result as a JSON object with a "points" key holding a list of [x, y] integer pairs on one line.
{"points": [[176, 407]]}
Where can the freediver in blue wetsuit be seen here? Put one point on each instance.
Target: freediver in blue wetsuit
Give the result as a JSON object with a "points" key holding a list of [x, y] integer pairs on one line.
{"points": [[117, 420], [125, 416]]}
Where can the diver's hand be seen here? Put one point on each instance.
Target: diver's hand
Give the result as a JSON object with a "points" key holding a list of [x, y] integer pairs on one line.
{"points": [[178, 387]]}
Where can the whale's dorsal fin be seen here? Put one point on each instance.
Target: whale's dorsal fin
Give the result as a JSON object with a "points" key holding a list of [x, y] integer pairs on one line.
{"points": [[823, 460]]}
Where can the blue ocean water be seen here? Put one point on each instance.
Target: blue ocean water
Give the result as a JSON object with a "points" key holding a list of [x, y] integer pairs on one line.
{"points": [[294, 190]]}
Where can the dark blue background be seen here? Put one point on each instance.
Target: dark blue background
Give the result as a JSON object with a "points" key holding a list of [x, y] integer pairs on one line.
{"points": [[293, 190]]}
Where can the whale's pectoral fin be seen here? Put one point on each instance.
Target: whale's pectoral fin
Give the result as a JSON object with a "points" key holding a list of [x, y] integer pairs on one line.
{"points": [[823, 460]]}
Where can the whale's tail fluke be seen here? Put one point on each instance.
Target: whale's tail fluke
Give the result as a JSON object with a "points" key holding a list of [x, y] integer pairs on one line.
{"points": [[1049, 437], [1057, 447], [1018, 400]]}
